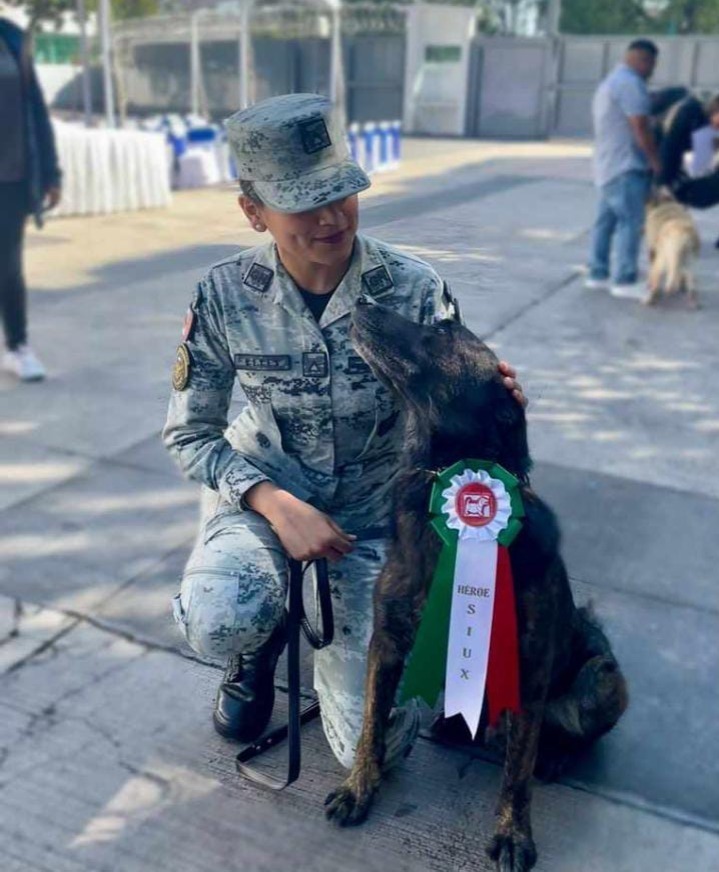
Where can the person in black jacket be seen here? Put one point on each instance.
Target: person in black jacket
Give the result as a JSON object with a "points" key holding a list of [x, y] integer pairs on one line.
{"points": [[29, 183], [681, 123]]}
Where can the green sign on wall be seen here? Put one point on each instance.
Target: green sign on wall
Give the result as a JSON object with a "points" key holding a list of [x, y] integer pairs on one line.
{"points": [[56, 48], [443, 54]]}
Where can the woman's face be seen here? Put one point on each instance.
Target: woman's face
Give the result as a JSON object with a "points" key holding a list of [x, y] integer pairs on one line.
{"points": [[324, 235]]}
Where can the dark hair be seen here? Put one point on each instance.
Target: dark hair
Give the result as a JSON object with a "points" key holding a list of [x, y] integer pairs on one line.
{"points": [[248, 189], [645, 45]]}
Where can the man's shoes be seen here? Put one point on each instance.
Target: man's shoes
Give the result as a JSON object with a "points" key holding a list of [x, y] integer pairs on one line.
{"points": [[23, 364], [633, 291], [247, 694], [596, 284]]}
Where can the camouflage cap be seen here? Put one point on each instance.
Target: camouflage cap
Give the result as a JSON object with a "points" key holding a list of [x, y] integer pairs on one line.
{"points": [[293, 149]]}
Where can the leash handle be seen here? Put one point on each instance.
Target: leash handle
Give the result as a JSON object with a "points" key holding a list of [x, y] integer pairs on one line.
{"points": [[324, 595], [296, 619]]}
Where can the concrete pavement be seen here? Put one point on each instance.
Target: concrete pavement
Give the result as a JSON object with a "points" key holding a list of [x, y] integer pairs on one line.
{"points": [[108, 758]]}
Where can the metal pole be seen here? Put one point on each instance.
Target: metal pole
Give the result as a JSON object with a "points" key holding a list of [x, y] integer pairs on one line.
{"points": [[245, 53], [85, 61], [106, 45], [195, 63], [554, 14], [337, 82]]}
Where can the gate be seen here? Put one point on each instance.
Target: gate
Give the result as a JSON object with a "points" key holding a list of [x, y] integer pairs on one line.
{"points": [[374, 70], [509, 88]]}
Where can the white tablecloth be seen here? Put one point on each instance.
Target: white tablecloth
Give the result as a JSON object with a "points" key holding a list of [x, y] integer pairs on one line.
{"points": [[111, 170]]}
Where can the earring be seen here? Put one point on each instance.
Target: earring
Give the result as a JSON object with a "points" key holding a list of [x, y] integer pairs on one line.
{"points": [[259, 227]]}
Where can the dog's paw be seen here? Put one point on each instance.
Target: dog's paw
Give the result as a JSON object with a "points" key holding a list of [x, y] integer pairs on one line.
{"points": [[512, 852], [346, 806]]}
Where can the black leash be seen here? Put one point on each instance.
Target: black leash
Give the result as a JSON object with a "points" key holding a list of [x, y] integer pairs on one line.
{"points": [[296, 620]]}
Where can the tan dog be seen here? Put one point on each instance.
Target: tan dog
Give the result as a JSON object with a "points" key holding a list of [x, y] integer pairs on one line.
{"points": [[673, 243]]}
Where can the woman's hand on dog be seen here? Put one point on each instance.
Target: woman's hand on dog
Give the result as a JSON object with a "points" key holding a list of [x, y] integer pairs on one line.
{"points": [[304, 531], [511, 383]]}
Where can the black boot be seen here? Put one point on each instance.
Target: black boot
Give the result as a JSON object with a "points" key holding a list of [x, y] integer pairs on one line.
{"points": [[247, 694]]}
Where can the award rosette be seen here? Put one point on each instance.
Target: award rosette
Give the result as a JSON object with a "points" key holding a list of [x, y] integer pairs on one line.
{"points": [[467, 639]]}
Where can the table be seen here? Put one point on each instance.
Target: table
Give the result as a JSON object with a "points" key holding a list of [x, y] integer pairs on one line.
{"points": [[111, 170]]}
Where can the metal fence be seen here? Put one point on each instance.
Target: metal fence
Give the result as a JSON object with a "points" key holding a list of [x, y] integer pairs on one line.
{"points": [[290, 53], [537, 87]]}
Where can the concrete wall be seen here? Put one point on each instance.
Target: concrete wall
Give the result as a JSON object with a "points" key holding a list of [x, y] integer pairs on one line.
{"points": [[584, 61], [438, 50]]}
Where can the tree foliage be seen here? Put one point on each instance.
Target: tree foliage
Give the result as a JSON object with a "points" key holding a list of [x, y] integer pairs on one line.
{"points": [[51, 11], [650, 17]]}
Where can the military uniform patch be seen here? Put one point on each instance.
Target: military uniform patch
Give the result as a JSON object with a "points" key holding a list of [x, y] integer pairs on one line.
{"points": [[263, 362], [181, 369], [314, 363], [188, 325], [357, 366], [258, 277], [378, 280], [314, 135]]}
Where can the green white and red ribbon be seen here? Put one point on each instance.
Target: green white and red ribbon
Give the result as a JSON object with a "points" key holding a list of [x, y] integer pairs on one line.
{"points": [[467, 639]]}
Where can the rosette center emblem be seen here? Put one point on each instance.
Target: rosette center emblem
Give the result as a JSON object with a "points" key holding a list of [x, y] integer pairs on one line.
{"points": [[476, 505]]}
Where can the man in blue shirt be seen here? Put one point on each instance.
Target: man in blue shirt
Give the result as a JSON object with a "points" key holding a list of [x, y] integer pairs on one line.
{"points": [[625, 156]]}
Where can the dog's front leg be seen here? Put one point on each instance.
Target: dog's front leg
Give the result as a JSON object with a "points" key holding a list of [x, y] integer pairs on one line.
{"points": [[350, 803], [512, 846]]}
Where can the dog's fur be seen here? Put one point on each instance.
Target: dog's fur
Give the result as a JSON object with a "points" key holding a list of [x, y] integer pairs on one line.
{"points": [[673, 243], [572, 691]]}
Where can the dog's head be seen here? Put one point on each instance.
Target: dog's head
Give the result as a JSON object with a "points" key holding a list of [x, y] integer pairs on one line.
{"points": [[448, 382]]}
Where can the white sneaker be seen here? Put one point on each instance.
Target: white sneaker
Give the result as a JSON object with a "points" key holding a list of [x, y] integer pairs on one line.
{"points": [[23, 363], [634, 291], [596, 284]]}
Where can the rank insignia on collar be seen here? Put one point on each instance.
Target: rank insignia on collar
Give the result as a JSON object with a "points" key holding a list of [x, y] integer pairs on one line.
{"points": [[314, 135], [258, 277], [314, 363], [181, 369], [378, 280]]}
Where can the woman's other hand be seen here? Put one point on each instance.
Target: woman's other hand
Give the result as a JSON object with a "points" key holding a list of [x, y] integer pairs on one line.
{"points": [[304, 531], [52, 196], [509, 374]]}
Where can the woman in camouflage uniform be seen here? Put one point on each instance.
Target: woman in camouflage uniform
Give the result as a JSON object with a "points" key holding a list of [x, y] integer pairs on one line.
{"points": [[307, 467]]}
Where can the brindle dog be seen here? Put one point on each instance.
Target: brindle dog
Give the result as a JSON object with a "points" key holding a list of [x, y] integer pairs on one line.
{"points": [[572, 690]]}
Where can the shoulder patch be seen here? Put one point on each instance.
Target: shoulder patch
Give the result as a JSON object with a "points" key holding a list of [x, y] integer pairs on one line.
{"points": [[181, 369], [378, 280], [188, 326], [258, 277]]}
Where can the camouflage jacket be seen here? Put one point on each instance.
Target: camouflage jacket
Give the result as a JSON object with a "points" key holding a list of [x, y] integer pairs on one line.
{"points": [[317, 422]]}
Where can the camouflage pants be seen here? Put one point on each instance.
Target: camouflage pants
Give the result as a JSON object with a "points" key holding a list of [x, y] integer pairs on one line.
{"points": [[233, 594]]}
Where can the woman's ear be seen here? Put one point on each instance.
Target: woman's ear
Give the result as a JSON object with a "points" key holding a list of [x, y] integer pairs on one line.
{"points": [[252, 212]]}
